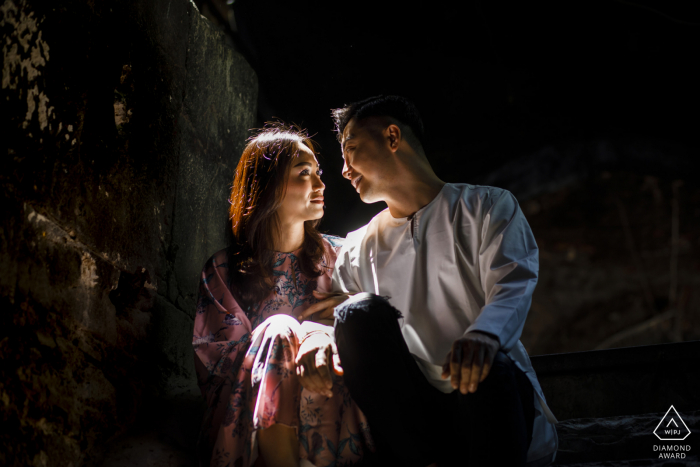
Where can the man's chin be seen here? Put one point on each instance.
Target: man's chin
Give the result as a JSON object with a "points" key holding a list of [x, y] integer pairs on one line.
{"points": [[368, 197]]}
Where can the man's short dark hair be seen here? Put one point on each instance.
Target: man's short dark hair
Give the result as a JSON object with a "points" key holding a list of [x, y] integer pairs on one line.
{"points": [[397, 107]]}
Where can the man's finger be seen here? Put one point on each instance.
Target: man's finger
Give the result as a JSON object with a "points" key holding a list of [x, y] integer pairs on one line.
{"points": [[315, 308], [446, 366], [477, 367], [467, 369], [322, 295], [488, 362], [459, 356], [323, 305]]}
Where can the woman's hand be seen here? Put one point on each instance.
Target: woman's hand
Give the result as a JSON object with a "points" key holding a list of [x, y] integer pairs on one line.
{"points": [[325, 307], [316, 362]]}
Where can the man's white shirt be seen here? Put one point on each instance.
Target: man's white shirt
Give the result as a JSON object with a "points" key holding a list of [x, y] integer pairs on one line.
{"points": [[465, 262]]}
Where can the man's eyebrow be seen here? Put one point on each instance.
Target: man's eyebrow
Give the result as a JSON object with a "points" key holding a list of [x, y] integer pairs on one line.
{"points": [[350, 136]]}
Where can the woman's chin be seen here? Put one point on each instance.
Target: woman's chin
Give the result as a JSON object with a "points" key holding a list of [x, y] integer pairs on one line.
{"points": [[316, 216]]}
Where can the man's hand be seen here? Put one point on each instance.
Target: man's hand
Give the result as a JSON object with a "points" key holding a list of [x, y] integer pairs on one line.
{"points": [[316, 360], [470, 360], [325, 307]]}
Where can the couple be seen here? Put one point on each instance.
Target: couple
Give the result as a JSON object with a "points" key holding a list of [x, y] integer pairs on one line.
{"points": [[423, 365]]}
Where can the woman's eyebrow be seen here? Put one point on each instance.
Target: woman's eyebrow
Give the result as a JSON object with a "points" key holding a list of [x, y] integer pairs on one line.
{"points": [[303, 163]]}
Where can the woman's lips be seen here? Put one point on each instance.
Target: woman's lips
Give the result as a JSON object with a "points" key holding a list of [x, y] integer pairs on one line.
{"points": [[318, 200]]}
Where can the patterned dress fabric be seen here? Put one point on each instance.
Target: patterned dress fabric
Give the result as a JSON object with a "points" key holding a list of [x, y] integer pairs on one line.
{"points": [[245, 369]]}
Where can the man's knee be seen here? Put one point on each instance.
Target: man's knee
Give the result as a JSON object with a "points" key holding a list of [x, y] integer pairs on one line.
{"points": [[365, 307], [502, 368], [503, 378]]}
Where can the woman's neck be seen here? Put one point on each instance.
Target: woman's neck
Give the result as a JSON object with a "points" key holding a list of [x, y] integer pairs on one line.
{"points": [[291, 237]]}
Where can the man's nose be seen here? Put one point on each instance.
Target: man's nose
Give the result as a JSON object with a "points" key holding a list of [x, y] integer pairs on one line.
{"points": [[346, 170]]}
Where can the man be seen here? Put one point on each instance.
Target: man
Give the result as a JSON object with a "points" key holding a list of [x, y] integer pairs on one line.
{"points": [[440, 284]]}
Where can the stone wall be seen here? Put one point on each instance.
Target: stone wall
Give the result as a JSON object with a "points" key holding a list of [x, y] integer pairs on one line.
{"points": [[122, 122]]}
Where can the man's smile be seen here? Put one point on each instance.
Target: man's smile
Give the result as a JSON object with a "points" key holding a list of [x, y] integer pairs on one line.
{"points": [[356, 182]]}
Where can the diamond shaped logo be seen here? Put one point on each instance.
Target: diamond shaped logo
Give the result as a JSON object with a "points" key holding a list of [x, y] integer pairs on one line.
{"points": [[672, 427]]}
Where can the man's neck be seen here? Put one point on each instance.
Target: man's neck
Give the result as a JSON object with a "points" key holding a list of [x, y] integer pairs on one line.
{"points": [[412, 194], [414, 183]]}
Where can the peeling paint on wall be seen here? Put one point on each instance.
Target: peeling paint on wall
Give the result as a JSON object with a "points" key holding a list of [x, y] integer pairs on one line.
{"points": [[25, 54], [88, 270]]}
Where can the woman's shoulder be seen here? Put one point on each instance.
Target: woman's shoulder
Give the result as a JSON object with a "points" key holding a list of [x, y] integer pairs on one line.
{"points": [[222, 260], [333, 241]]}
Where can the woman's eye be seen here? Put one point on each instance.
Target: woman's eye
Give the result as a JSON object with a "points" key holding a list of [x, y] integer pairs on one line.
{"points": [[319, 172], [305, 172]]}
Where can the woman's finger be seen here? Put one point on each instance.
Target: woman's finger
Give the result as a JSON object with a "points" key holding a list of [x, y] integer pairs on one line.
{"points": [[312, 380], [337, 369], [323, 372]]}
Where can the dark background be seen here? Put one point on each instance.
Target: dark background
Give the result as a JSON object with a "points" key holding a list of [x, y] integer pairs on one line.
{"points": [[493, 80], [586, 111]]}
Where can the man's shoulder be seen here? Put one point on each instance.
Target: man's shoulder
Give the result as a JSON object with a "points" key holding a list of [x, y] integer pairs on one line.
{"points": [[362, 231], [352, 243], [475, 197], [471, 190], [356, 236]]}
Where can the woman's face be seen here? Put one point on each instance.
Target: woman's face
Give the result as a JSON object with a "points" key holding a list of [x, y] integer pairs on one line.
{"points": [[303, 199]]}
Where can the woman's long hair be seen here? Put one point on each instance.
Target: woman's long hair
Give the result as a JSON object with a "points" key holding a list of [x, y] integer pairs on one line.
{"points": [[259, 187]]}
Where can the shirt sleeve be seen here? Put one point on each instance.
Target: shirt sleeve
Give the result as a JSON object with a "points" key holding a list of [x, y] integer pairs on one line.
{"points": [[345, 275], [508, 268]]}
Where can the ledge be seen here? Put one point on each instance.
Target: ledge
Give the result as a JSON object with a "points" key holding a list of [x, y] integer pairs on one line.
{"points": [[626, 381]]}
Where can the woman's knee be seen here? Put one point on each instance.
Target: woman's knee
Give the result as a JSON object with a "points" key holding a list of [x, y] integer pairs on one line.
{"points": [[278, 326]]}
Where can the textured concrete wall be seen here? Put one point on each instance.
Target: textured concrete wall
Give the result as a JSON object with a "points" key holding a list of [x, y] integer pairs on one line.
{"points": [[122, 123]]}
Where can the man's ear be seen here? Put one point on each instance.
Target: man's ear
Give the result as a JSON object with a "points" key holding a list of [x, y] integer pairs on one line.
{"points": [[393, 135]]}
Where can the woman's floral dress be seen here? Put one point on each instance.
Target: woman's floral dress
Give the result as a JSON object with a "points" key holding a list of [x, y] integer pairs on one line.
{"points": [[246, 371]]}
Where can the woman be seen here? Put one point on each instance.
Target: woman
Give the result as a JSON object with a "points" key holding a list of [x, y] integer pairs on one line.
{"points": [[251, 354]]}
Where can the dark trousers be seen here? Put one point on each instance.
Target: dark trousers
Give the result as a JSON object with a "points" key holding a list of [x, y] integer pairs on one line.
{"points": [[411, 422]]}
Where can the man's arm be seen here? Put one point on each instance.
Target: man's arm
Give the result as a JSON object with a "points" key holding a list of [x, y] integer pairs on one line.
{"points": [[345, 283], [508, 268]]}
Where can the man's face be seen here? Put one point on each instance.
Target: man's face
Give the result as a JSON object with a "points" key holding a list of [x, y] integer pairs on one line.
{"points": [[367, 158]]}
